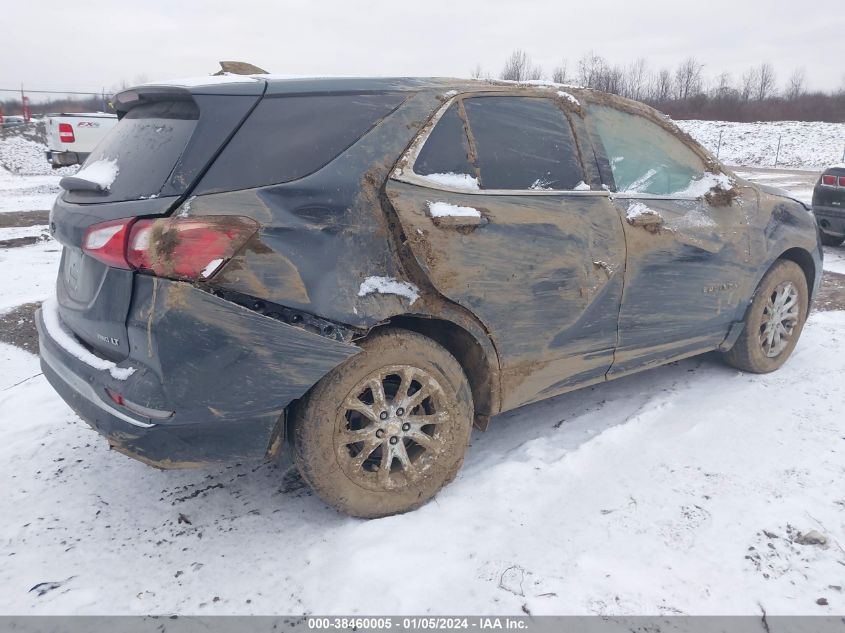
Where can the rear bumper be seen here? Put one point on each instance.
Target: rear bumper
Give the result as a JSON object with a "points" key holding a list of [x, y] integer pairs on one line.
{"points": [[830, 219], [221, 374], [63, 159]]}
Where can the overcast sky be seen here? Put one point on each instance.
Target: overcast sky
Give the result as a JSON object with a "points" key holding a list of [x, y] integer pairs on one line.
{"points": [[90, 44]]}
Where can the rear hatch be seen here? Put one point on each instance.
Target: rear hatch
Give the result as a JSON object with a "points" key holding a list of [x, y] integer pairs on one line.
{"points": [[145, 167]]}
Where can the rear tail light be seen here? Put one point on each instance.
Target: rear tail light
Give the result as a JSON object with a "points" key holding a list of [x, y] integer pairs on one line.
{"points": [[66, 133], [107, 242], [829, 180], [842, 181], [178, 248]]}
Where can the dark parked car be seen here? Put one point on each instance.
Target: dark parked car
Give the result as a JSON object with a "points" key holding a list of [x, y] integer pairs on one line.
{"points": [[829, 205], [11, 121], [357, 270]]}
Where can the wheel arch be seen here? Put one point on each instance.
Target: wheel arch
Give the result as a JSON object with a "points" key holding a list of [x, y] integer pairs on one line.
{"points": [[805, 260], [473, 351]]}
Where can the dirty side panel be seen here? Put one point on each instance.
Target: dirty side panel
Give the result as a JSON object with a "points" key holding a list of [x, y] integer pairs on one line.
{"points": [[685, 278], [542, 272], [782, 224]]}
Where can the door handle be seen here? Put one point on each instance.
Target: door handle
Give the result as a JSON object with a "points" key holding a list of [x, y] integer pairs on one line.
{"points": [[459, 221], [445, 215]]}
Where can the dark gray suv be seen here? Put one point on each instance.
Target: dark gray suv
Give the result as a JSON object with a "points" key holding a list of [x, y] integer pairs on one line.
{"points": [[359, 270]]}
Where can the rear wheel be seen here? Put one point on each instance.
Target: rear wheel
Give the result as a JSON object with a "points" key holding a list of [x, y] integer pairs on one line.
{"points": [[774, 320], [385, 431], [831, 240]]}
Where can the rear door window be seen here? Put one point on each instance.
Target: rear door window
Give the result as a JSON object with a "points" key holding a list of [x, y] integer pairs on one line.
{"points": [[523, 143], [643, 156], [445, 155], [288, 137]]}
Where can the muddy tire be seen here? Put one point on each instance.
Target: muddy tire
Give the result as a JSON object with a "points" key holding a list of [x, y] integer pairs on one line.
{"points": [[831, 240], [774, 321], [386, 430]]}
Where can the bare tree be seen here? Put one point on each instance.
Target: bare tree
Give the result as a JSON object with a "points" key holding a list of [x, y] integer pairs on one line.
{"points": [[590, 67], [688, 78], [518, 67], [477, 72], [723, 86], [750, 78], [636, 78], [535, 72], [795, 86], [662, 83], [559, 73], [612, 79], [765, 82]]}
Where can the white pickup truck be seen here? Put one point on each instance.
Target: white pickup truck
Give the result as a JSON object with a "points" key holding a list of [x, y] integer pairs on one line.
{"points": [[72, 136]]}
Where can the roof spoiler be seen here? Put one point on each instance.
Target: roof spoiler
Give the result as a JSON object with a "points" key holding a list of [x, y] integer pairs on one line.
{"points": [[128, 99]]}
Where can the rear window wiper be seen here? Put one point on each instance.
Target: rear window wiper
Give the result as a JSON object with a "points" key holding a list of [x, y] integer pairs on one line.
{"points": [[97, 176], [72, 183]]}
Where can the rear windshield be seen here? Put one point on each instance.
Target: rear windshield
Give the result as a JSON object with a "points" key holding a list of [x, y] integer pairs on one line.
{"points": [[289, 137], [144, 145]]}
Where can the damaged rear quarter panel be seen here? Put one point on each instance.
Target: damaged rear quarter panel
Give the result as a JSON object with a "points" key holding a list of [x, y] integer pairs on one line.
{"points": [[324, 234], [204, 357]]}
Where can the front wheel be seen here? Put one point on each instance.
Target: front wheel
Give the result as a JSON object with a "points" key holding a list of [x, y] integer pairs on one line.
{"points": [[386, 430], [773, 321]]}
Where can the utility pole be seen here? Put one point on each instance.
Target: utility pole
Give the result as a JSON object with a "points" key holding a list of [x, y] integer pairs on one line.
{"points": [[25, 111]]}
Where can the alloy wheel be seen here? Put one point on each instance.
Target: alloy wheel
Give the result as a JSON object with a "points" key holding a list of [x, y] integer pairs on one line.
{"points": [[780, 316], [391, 428]]}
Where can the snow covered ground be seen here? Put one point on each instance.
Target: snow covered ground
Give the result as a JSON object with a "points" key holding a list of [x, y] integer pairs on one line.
{"points": [[686, 489], [799, 183], [834, 260], [806, 144], [27, 192], [28, 272], [27, 181], [628, 498]]}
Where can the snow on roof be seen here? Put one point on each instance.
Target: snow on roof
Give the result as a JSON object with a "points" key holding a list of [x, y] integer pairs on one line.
{"points": [[101, 115], [541, 83], [565, 95], [207, 80]]}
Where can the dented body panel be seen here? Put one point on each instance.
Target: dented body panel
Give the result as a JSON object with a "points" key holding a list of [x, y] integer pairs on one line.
{"points": [[224, 374], [543, 273], [537, 293]]}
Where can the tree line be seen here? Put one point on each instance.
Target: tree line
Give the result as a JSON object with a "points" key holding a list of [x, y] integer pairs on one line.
{"points": [[682, 92], [53, 105], [685, 92]]}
